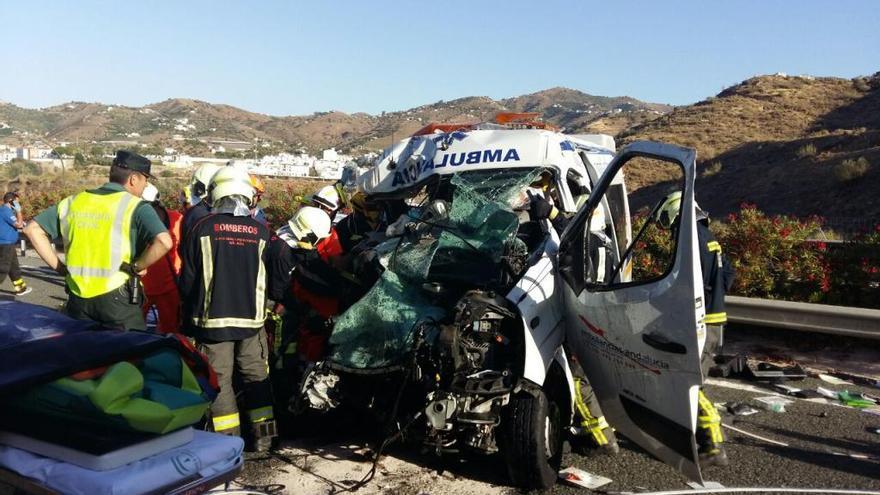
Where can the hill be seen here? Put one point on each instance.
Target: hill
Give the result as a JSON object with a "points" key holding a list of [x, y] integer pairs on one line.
{"points": [[797, 145], [185, 123]]}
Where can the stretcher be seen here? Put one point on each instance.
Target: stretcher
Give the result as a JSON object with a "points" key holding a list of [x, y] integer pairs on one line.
{"points": [[209, 460]]}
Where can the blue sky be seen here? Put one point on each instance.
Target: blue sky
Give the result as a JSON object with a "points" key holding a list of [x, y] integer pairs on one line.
{"points": [[291, 57]]}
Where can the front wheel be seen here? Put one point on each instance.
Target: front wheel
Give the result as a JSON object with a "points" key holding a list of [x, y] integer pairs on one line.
{"points": [[532, 439]]}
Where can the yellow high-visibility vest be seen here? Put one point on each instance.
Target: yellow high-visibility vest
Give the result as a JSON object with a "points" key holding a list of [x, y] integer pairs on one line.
{"points": [[96, 229]]}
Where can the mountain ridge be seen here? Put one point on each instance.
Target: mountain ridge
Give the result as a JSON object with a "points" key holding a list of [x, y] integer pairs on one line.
{"points": [[193, 119]]}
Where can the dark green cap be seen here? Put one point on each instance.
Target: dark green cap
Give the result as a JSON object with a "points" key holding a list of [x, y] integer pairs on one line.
{"points": [[132, 161]]}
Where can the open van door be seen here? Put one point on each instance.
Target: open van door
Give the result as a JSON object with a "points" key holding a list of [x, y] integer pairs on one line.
{"points": [[634, 313]]}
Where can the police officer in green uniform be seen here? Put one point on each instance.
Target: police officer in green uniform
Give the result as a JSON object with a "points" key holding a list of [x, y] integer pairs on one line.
{"points": [[109, 236]]}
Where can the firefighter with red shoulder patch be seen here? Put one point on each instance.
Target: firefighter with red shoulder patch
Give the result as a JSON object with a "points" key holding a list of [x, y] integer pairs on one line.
{"points": [[290, 251], [223, 293]]}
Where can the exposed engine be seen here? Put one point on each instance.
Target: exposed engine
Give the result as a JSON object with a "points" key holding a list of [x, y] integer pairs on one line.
{"points": [[474, 374]]}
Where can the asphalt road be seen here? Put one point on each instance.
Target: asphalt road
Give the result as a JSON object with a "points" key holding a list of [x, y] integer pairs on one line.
{"points": [[820, 437], [48, 287]]}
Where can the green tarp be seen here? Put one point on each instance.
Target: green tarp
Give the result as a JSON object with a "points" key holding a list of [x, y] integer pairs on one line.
{"points": [[377, 331]]}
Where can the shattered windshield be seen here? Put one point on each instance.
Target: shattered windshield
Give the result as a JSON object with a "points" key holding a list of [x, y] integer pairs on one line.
{"points": [[467, 244]]}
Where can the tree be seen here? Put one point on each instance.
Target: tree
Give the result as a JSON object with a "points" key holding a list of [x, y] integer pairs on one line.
{"points": [[79, 161], [96, 152], [63, 151]]}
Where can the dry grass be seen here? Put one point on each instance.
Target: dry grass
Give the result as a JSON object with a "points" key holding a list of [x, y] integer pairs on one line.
{"points": [[806, 151], [788, 144], [849, 170]]}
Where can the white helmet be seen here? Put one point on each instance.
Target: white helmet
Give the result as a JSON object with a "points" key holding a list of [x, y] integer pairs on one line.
{"points": [[309, 224], [668, 212], [326, 197], [231, 181], [201, 179], [150, 194]]}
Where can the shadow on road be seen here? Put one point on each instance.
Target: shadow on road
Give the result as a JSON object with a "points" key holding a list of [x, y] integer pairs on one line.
{"points": [[41, 275], [860, 467]]}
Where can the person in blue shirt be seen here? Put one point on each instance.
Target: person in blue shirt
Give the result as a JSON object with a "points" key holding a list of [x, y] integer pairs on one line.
{"points": [[10, 222]]}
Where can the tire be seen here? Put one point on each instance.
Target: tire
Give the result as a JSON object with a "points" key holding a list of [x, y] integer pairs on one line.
{"points": [[532, 439]]}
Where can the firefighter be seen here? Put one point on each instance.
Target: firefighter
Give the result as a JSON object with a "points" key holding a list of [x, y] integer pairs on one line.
{"points": [[327, 199], [541, 206], [223, 294], [591, 430], [717, 278], [365, 218], [110, 236], [291, 250], [257, 212], [160, 282], [197, 193]]}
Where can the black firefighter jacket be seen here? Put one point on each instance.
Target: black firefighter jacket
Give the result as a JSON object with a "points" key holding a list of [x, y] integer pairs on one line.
{"points": [[223, 282]]}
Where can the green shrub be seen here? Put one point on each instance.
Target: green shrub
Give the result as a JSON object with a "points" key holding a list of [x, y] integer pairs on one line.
{"points": [[855, 271], [849, 170], [771, 257], [283, 197], [19, 166], [79, 161]]}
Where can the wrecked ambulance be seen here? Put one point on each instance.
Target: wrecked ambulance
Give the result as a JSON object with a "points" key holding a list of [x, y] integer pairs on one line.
{"points": [[463, 339]]}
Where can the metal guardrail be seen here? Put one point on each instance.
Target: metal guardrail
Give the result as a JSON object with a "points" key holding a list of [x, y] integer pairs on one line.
{"points": [[821, 318]]}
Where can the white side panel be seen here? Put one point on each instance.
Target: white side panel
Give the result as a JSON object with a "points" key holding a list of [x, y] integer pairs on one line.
{"points": [[638, 343], [534, 297]]}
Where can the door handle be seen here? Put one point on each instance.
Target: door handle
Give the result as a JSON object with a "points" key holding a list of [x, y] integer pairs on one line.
{"points": [[660, 342]]}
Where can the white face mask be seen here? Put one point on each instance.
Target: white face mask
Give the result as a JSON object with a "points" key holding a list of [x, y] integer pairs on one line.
{"points": [[16, 206]]}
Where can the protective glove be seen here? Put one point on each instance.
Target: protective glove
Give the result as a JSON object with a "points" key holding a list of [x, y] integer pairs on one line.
{"points": [[540, 208]]}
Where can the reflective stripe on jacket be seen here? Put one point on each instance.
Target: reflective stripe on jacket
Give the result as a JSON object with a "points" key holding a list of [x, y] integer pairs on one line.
{"points": [[717, 275], [223, 282], [96, 229]]}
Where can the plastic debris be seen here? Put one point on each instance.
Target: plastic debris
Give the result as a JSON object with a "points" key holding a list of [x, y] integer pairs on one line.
{"points": [[824, 392], [857, 379], [833, 380], [787, 389], [740, 409], [706, 484], [855, 400], [583, 479], [773, 403], [762, 371]]}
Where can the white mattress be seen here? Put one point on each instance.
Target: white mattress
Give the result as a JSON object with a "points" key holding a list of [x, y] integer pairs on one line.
{"points": [[206, 456], [110, 460]]}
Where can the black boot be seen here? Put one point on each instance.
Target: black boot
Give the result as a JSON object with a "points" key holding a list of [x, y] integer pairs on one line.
{"points": [[263, 434]]}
